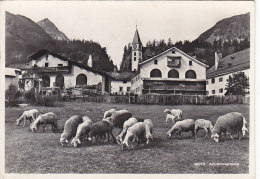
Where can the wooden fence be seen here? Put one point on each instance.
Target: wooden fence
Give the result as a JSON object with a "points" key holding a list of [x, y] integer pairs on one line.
{"points": [[169, 99]]}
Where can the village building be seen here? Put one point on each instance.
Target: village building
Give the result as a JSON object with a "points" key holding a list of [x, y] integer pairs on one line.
{"points": [[217, 75], [58, 72], [170, 72], [120, 83], [11, 77]]}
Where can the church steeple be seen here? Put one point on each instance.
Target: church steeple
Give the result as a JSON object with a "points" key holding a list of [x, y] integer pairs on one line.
{"points": [[136, 51]]}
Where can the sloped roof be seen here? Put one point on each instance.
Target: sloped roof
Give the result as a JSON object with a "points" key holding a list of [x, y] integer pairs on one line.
{"points": [[11, 72], [235, 62], [42, 52], [183, 53], [137, 39], [121, 75]]}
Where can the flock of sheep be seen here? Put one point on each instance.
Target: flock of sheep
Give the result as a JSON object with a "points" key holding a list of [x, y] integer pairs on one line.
{"points": [[134, 130]]}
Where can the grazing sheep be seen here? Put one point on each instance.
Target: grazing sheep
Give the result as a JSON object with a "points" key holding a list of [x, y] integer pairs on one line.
{"points": [[44, 119], [101, 128], [131, 121], [174, 112], [172, 118], [225, 124], [28, 115], [135, 132], [185, 125], [82, 130], [119, 117], [148, 130], [203, 124], [108, 113], [70, 129]]}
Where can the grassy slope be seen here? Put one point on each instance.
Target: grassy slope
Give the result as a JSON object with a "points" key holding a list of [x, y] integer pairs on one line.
{"points": [[28, 152]]}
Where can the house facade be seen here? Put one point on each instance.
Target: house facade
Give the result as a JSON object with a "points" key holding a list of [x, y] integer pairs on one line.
{"points": [[217, 75], [11, 77], [56, 71]]}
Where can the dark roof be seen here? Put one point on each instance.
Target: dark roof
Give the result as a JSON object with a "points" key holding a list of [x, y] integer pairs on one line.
{"points": [[42, 52], [121, 75], [235, 62], [137, 39]]}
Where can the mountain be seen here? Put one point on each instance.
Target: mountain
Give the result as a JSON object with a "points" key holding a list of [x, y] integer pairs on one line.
{"points": [[235, 27], [23, 36], [52, 30]]}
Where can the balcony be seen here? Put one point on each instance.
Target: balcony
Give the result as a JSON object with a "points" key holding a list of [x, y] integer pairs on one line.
{"points": [[61, 69], [173, 62]]}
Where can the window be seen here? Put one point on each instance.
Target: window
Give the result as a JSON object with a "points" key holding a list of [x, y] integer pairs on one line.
{"points": [[134, 53], [155, 62], [134, 58], [81, 79], [220, 79], [221, 90], [46, 64], [156, 73], [124, 81], [128, 89], [190, 74], [207, 92], [212, 80], [120, 88], [60, 65], [207, 82], [134, 69], [173, 74], [173, 52], [45, 81], [213, 91], [190, 63]]}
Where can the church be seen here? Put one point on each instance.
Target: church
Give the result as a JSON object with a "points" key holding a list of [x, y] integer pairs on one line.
{"points": [[170, 72]]}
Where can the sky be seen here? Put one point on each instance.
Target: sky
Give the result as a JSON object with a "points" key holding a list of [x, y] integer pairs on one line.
{"points": [[113, 24]]}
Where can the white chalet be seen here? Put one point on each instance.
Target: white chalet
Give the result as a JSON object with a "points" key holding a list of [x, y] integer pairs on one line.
{"points": [[57, 71]]}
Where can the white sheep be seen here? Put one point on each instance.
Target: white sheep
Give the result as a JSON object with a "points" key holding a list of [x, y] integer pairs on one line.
{"points": [[131, 121], [28, 115], [82, 130], [44, 119], [203, 124], [108, 113], [185, 125], [134, 132], [226, 124], [174, 112], [171, 117], [70, 129], [148, 130]]}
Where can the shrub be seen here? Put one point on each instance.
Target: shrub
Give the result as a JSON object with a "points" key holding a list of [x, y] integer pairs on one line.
{"points": [[29, 96], [49, 101], [11, 95]]}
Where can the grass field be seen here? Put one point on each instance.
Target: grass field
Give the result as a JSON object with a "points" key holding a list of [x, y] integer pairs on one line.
{"points": [[28, 152]]}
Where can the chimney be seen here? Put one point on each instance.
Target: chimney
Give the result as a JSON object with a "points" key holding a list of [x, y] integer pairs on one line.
{"points": [[90, 61], [218, 58]]}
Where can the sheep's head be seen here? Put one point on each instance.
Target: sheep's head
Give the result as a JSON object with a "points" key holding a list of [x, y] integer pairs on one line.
{"points": [[169, 134], [244, 130], [75, 142], [63, 141], [215, 136], [167, 111], [33, 127], [149, 137], [109, 120], [123, 145], [119, 139], [18, 121]]}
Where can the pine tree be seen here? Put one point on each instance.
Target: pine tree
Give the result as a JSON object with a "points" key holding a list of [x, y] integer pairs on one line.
{"points": [[238, 84]]}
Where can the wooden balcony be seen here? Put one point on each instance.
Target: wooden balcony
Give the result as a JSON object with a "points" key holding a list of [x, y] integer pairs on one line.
{"points": [[61, 69]]}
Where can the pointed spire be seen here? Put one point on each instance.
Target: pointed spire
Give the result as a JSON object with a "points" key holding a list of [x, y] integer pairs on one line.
{"points": [[136, 39]]}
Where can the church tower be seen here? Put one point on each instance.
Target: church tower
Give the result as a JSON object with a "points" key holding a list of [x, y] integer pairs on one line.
{"points": [[136, 51]]}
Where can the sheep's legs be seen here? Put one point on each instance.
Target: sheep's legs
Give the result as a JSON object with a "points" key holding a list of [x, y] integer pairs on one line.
{"points": [[24, 123], [207, 132], [113, 137]]}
